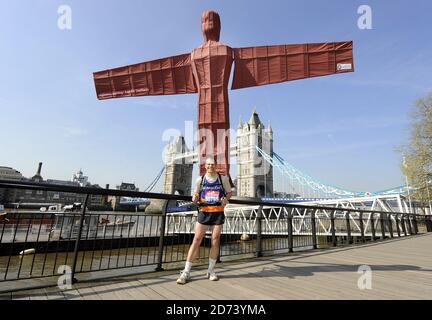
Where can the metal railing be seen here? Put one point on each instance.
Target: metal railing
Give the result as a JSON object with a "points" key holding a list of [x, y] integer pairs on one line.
{"points": [[40, 245]]}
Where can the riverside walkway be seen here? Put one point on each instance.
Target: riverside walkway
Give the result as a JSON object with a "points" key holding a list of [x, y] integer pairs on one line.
{"points": [[401, 269]]}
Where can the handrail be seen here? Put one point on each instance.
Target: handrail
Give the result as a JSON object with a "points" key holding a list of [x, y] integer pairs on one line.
{"points": [[13, 184], [153, 231]]}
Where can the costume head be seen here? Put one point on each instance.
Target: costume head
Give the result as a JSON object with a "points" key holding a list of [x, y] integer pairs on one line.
{"points": [[210, 25]]}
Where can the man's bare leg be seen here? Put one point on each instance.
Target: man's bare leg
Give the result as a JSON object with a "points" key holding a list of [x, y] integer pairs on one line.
{"points": [[200, 230], [215, 241], [214, 252]]}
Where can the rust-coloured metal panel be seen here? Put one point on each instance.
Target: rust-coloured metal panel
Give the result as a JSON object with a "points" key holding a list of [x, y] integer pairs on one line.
{"points": [[171, 75], [206, 71], [211, 65], [256, 66]]}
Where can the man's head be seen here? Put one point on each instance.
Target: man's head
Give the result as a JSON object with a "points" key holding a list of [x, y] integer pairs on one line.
{"points": [[210, 165], [210, 25]]}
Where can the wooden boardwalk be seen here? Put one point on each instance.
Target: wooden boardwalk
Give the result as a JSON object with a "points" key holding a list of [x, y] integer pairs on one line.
{"points": [[401, 269]]}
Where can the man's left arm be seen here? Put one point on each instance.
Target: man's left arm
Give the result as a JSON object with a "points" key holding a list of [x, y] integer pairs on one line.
{"points": [[228, 191]]}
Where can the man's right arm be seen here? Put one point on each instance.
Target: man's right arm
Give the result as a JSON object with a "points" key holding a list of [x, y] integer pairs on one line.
{"points": [[195, 195]]}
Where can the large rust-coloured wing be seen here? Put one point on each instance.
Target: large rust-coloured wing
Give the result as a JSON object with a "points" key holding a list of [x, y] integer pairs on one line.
{"points": [[256, 66], [171, 75]]}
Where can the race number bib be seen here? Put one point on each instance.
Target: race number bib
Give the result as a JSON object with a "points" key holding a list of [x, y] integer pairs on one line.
{"points": [[211, 196]]}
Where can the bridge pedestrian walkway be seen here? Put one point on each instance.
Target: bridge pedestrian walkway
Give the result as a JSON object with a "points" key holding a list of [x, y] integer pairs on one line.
{"points": [[401, 269]]}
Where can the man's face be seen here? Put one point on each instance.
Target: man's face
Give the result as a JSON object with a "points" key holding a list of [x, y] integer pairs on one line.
{"points": [[210, 166]]}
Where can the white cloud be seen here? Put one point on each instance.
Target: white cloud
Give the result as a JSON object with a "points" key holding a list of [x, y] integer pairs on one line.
{"points": [[391, 83], [350, 124], [166, 103], [341, 149], [70, 131]]}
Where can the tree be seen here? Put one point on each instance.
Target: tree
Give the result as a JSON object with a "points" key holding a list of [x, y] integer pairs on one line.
{"points": [[417, 155]]}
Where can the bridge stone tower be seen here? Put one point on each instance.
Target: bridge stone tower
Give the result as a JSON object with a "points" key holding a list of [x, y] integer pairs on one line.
{"points": [[178, 173], [254, 174]]}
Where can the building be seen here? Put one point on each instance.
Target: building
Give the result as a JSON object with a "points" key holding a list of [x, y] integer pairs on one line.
{"points": [[9, 195], [254, 174], [78, 180], [41, 197], [114, 201], [63, 197], [97, 201], [33, 196], [285, 195], [178, 173]]}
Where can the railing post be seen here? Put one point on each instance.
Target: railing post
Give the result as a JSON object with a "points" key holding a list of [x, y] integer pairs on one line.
{"points": [[415, 224], [259, 225], [409, 224], [314, 233], [382, 225], [404, 225], [362, 227], [390, 225], [397, 225], [162, 237], [348, 225], [78, 239], [428, 222], [333, 229], [290, 231], [372, 222]]}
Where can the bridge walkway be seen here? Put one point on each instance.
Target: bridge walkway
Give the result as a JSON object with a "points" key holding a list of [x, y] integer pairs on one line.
{"points": [[401, 269]]}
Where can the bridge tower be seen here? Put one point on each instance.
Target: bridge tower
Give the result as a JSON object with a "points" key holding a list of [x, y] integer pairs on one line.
{"points": [[178, 173], [254, 174]]}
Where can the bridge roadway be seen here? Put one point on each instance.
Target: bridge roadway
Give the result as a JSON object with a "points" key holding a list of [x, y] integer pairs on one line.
{"points": [[401, 269]]}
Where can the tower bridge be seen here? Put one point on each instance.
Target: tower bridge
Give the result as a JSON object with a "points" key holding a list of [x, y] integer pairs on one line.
{"points": [[256, 162], [254, 176]]}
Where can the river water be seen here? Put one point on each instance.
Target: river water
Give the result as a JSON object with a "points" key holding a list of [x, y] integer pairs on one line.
{"points": [[46, 264], [109, 257]]}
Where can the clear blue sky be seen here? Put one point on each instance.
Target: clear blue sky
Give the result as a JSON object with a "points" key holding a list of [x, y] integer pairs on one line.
{"points": [[342, 129]]}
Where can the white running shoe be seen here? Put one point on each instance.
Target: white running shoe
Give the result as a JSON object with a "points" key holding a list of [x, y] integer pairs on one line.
{"points": [[184, 277], [212, 276]]}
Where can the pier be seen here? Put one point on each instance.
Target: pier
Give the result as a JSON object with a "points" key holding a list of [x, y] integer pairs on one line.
{"points": [[290, 251], [401, 269]]}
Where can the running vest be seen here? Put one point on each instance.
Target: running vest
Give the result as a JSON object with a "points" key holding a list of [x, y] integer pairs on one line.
{"points": [[211, 193]]}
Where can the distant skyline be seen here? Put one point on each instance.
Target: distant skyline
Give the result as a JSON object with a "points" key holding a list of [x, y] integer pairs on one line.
{"points": [[341, 129]]}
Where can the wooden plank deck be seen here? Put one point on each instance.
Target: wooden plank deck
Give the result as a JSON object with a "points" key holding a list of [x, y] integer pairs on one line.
{"points": [[401, 269]]}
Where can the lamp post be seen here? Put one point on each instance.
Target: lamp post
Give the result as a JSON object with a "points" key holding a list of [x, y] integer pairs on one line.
{"points": [[407, 186], [429, 199]]}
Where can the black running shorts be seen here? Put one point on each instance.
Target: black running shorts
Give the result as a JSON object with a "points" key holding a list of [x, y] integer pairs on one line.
{"points": [[211, 219]]}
